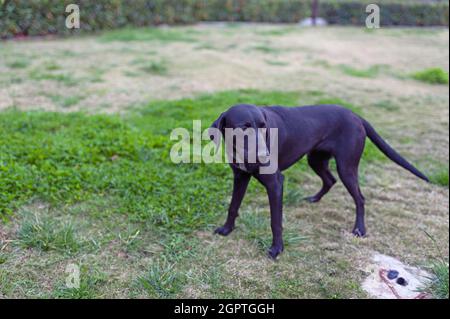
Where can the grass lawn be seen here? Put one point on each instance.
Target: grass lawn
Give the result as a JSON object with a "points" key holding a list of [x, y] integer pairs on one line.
{"points": [[86, 179]]}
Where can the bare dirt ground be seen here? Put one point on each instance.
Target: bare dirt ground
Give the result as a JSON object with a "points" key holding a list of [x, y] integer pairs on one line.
{"points": [[109, 77]]}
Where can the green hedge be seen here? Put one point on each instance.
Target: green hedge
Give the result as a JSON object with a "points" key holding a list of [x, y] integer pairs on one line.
{"points": [[392, 13], [37, 17]]}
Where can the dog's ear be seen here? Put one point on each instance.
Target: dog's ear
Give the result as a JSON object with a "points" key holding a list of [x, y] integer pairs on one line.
{"points": [[217, 129], [220, 122]]}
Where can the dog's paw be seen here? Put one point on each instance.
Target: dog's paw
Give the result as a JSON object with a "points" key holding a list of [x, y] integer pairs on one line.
{"points": [[274, 251], [359, 232], [223, 231], [312, 199]]}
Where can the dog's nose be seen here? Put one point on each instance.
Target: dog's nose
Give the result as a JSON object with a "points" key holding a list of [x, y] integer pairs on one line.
{"points": [[402, 281]]}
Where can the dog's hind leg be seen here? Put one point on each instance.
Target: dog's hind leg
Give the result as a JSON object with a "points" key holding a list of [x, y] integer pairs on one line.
{"points": [[319, 163], [241, 180], [347, 166]]}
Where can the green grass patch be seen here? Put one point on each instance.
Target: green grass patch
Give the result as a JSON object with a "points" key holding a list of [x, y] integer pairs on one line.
{"points": [[439, 282], [130, 238], [166, 276], [205, 46], [322, 63], [386, 105], [6, 286], [64, 78], [278, 31], [91, 282], [162, 280], [256, 228], [66, 101], [3, 258], [370, 72], [148, 34], [439, 175], [132, 74], [160, 67], [439, 286], [292, 193], [52, 66], [176, 247], [276, 63], [264, 48], [18, 64], [156, 67], [372, 153], [432, 76], [96, 74], [67, 53], [10, 78], [46, 234]]}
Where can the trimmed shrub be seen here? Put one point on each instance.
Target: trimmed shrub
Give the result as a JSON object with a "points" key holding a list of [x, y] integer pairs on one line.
{"points": [[393, 13]]}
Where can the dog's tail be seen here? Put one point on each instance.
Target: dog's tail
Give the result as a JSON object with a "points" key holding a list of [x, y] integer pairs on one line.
{"points": [[390, 152]]}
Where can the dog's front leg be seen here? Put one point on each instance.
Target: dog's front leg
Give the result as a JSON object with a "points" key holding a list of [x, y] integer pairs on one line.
{"points": [[274, 186], [241, 180]]}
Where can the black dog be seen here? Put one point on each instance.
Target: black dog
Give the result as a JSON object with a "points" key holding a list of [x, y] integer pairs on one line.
{"points": [[321, 132]]}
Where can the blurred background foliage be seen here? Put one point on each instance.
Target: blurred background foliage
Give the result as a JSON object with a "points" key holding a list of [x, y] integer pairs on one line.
{"points": [[41, 17]]}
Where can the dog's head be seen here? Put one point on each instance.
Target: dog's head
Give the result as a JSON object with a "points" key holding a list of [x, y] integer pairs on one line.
{"points": [[247, 122]]}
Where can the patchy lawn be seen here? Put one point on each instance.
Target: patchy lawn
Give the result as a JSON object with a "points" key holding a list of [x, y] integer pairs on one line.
{"points": [[85, 176]]}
